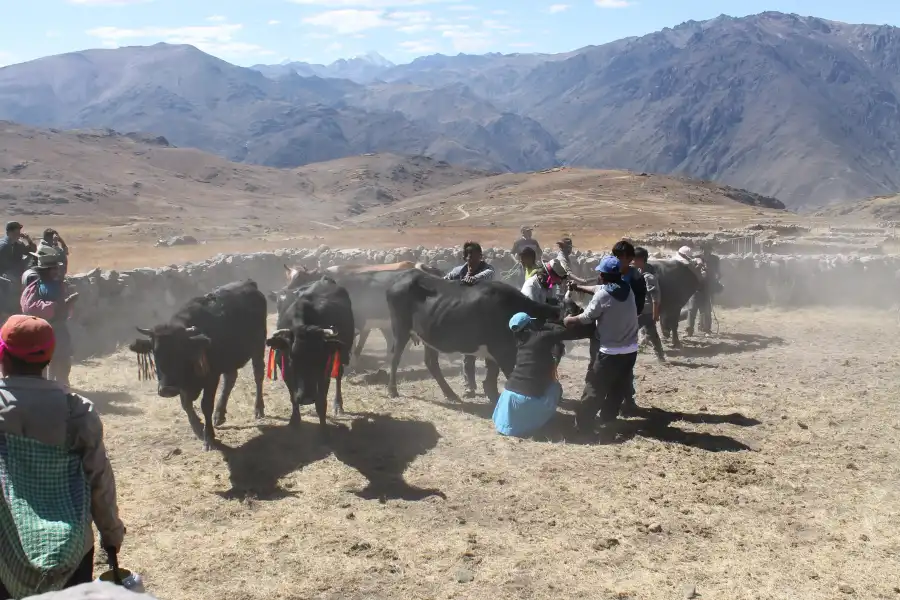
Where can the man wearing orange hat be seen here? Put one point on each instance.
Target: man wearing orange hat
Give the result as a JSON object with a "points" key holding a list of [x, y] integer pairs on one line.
{"points": [[48, 503]]}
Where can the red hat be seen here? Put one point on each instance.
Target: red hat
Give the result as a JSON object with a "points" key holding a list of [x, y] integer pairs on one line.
{"points": [[29, 339]]}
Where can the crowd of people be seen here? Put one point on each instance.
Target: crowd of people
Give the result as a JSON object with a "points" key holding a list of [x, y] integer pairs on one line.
{"points": [[33, 279], [625, 303], [49, 507]]}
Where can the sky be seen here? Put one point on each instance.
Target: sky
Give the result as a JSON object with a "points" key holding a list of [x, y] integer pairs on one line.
{"points": [[247, 32]]}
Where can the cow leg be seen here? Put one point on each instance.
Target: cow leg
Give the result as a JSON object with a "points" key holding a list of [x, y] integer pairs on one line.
{"points": [[503, 359], [357, 350], [259, 374], [388, 338], [338, 398], [187, 404], [401, 338], [490, 380], [322, 402], [206, 405], [229, 378], [434, 367], [295, 410]]}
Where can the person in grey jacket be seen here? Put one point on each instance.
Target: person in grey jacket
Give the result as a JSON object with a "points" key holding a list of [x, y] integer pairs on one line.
{"points": [[473, 271], [35, 408], [608, 383], [650, 315]]}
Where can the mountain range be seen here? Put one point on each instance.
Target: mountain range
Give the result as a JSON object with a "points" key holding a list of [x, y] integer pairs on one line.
{"points": [[795, 107]]}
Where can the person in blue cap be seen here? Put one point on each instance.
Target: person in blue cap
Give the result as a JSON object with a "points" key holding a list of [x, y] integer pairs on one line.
{"points": [[532, 390], [608, 381]]}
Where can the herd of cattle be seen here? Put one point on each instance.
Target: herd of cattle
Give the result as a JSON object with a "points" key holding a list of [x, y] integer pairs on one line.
{"points": [[320, 314]]}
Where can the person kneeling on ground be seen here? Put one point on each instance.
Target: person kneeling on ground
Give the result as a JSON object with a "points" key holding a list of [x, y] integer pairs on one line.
{"points": [[608, 382], [55, 476], [532, 390]]}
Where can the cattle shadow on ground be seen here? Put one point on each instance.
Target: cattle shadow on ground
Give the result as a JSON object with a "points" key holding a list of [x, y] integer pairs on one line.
{"points": [[690, 365], [381, 376], [562, 430], [381, 448], [482, 410], [729, 344], [112, 403], [256, 466]]}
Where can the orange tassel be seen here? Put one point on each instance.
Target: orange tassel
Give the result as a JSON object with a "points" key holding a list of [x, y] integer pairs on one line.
{"points": [[336, 365], [270, 368]]}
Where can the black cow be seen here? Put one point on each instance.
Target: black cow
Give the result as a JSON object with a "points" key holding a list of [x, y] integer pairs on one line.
{"points": [[212, 336], [317, 323], [451, 317], [367, 286], [677, 284]]}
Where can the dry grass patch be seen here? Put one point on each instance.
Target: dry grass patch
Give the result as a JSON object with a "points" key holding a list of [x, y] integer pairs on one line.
{"points": [[414, 498]]}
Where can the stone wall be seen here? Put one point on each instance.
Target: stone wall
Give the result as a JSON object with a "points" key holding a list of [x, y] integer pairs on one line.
{"points": [[112, 303]]}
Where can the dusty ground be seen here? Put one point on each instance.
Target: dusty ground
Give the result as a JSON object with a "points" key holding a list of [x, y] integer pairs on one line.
{"points": [[770, 471]]}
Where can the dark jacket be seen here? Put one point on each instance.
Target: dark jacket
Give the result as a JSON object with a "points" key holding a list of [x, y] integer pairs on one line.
{"points": [[535, 362], [14, 257], [638, 286]]}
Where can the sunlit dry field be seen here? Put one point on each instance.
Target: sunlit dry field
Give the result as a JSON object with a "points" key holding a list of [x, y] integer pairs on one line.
{"points": [[771, 469]]}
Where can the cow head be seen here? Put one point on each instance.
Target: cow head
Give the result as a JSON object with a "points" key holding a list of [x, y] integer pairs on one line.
{"points": [[282, 299], [180, 356], [307, 352], [299, 276]]}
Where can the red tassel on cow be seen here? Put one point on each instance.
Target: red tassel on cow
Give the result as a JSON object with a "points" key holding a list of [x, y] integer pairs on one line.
{"points": [[270, 367], [336, 364]]}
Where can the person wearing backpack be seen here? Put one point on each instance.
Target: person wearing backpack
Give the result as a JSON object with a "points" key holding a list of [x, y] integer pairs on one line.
{"points": [[55, 476]]}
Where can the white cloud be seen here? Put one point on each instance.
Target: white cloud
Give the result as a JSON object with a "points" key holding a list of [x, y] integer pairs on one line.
{"points": [[366, 3], [465, 39], [215, 39], [462, 7], [108, 2], [496, 26], [419, 47], [216, 19], [558, 8], [613, 3], [347, 21], [274, 22]]}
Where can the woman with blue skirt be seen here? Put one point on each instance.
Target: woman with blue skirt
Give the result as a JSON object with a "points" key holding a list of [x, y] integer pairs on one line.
{"points": [[532, 390]]}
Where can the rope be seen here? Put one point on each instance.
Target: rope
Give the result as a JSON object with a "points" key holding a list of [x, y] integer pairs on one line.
{"points": [[516, 269]]}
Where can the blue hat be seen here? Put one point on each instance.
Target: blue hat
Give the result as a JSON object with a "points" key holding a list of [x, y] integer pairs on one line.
{"points": [[519, 321], [609, 265]]}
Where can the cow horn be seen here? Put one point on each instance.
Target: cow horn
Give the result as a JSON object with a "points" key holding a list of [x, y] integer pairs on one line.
{"points": [[143, 331], [329, 332], [280, 331], [192, 331]]}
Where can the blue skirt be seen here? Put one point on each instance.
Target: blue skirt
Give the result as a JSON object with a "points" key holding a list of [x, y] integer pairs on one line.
{"points": [[519, 415]]}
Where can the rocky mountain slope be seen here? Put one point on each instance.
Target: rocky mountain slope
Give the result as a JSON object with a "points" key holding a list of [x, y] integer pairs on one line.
{"points": [[794, 107], [103, 174]]}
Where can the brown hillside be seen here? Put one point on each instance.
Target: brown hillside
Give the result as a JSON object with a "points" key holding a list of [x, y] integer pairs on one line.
{"points": [[109, 192]]}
